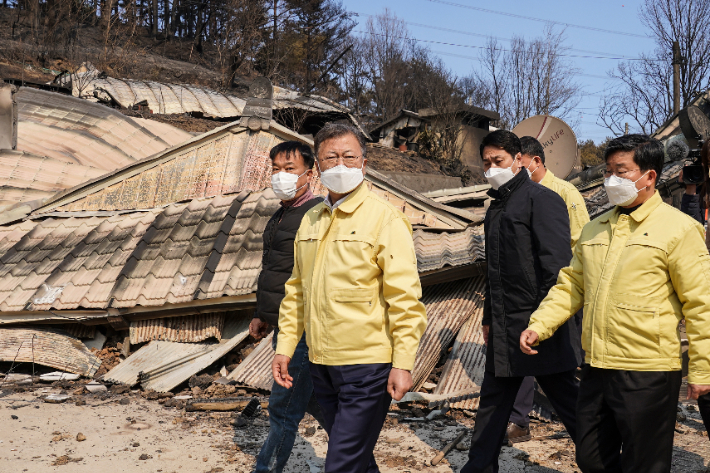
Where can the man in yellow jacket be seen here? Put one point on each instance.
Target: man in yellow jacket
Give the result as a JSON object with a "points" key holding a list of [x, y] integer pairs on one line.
{"points": [[355, 292], [638, 270]]}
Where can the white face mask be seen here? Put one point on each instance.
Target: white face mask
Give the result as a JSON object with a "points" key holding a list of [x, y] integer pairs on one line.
{"points": [[499, 176], [284, 185], [621, 191], [530, 173], [341, 179]]}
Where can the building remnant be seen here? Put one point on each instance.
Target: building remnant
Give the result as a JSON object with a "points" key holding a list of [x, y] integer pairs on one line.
{"points": [[49, 347], [405, 130], [161, 366], [167, 250]]}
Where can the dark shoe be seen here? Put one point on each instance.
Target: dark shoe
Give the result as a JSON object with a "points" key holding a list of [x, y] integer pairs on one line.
{"points": [[514, 433]]}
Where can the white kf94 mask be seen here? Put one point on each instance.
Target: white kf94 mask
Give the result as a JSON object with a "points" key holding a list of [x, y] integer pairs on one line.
{"points": [[621, 191], [499, 176], [341, 179], [284, 185]]}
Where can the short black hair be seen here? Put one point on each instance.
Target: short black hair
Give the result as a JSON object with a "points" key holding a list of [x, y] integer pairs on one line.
{"points": [[648, 152], [504, 139], [292, 147], [336, 130], [532, 147]]}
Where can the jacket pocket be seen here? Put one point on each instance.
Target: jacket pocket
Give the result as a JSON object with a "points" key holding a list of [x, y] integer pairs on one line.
{"points": [[633, 331], [355, 319], [355, 296]]}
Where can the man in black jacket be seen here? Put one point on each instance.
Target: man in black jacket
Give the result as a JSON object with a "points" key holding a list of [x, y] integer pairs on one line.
{"points": [[527, 243], [292, 172]]}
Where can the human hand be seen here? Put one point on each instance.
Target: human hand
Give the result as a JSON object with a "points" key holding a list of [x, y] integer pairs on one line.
{"points": [[399, 383], [527, 339], [696, 390], [258, 328], [279, 368], [486, 330]]}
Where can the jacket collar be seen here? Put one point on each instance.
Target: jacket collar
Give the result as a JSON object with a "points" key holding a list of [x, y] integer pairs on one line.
{"points": [[640, 214], [549, 177], [354, 199], [509, 187]]}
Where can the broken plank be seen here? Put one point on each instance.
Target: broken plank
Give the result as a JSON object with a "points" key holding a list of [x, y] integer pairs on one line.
{"points": [[223, 404]]}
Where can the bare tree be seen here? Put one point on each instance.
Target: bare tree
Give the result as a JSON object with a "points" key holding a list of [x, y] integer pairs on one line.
{"points": [[645, 94], [528, 78], [386, 53]]}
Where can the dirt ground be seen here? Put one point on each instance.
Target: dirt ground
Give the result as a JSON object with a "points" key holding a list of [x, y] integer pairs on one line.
{"points": [[127, 432]]}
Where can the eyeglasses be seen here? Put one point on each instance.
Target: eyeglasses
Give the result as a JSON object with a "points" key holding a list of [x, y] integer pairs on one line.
{"points": [[332, 160], [608, 173]]}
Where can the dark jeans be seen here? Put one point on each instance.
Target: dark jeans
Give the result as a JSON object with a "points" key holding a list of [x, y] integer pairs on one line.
{"points": [[354, 401], [626, 420], [286, 409], [497, 398]]}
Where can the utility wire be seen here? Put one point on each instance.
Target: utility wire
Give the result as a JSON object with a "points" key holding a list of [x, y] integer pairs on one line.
{"points": [[513, 15], [481, 35], [497, 49], [472, 58]]}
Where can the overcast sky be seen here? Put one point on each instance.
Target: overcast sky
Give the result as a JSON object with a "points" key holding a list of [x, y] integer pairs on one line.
{"points": [[427, 18]]}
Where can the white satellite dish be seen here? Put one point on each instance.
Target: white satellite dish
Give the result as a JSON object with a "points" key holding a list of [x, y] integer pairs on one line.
{"points": [[557, 138]]}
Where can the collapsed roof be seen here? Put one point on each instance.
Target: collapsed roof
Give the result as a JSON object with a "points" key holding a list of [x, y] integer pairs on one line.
{"points": [[63, 141], [304, 113]]}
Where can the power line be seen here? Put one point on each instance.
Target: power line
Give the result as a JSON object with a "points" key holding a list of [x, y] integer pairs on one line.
{"points": [[513, 15], [480, 35], [472, 58], [497, 49]]}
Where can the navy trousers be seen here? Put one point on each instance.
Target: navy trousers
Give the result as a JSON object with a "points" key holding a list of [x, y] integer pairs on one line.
{"points": [[354, 402]]}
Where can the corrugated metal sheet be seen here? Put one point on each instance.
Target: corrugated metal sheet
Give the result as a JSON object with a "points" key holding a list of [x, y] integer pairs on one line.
{"points": [[255, 369], [167, 98], [448, 307], [161, 366], [49, 347], [191, 328], [75, 130], [463, 371], [64, 141], [80, 330]]}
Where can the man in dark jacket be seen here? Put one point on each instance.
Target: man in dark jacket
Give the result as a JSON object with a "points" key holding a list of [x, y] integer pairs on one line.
{"points": [[527, 243], [292, 171]]}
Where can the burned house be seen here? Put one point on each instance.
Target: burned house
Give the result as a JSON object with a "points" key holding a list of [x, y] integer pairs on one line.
{"points": [[166, 250], [406, 130]]}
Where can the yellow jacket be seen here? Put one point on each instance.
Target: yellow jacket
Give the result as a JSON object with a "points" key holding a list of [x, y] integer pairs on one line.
{"points": [[355, 286], [576, 207], [637, 276]]}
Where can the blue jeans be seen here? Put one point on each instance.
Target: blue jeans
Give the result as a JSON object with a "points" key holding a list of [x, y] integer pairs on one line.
{"points": [[286, 409]]}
